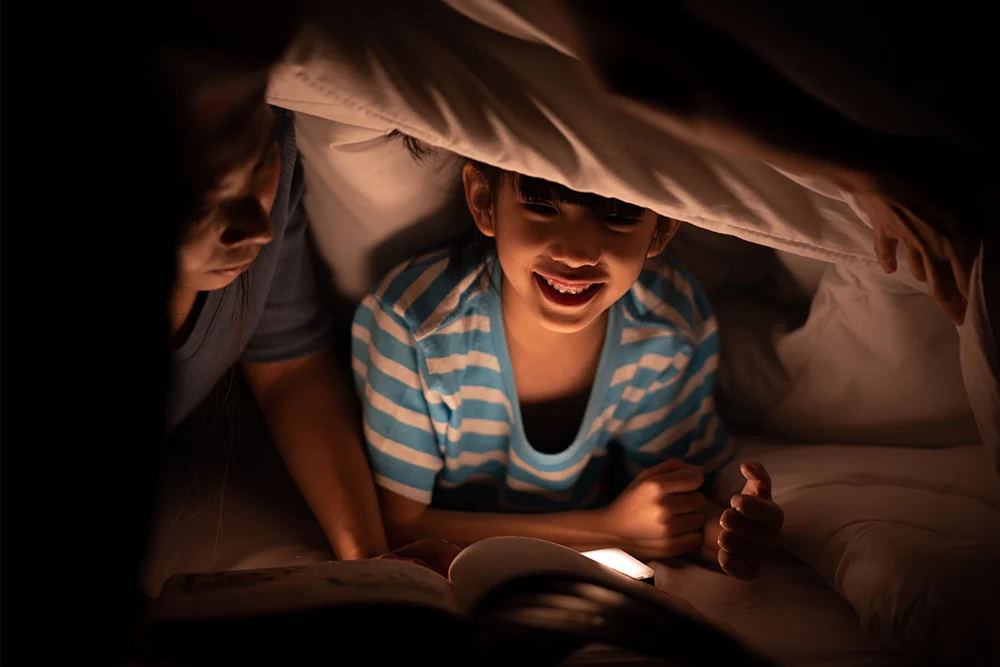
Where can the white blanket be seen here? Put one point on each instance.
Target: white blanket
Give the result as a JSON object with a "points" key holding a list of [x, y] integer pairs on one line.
{"points": [[495, 80], [910, 538]]}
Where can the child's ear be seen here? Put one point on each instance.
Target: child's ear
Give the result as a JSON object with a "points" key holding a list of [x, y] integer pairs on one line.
{"points": [[665, 230], [478, 198]]}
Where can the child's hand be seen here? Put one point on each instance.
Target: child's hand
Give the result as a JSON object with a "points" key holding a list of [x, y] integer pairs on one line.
{"points": [[751, 528], [660, 513]]}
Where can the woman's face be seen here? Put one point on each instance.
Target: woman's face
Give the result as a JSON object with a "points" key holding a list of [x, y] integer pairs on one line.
{"points": [[234, 221]]}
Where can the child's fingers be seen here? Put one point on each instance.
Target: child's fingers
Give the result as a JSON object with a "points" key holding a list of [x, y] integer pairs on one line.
{"points": [[676, 504], [756, 532], [758, 481], [670, 465], [736, 567], [686, 523], [758, 509], [684, 480], [746, 550], [669, 547]]}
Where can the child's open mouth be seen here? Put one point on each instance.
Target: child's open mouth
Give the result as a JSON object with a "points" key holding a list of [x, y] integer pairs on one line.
{"points": [[566, 293]]}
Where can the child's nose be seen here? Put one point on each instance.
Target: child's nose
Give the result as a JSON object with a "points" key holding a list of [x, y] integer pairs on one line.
{"points": [[576, 248]]}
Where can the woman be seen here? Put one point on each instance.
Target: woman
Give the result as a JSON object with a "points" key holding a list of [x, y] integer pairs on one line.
{"points": [[245, 293]]}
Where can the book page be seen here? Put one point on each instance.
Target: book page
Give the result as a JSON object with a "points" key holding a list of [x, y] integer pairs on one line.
{"points": [[244, 593], [489, 563]]}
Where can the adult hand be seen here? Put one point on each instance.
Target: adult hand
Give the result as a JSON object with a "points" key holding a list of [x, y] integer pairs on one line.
{"points": [[933, 258], [429, 552]]}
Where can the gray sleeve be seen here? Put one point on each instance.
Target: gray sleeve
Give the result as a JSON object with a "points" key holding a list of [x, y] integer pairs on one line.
{"points": [[294, 323]]}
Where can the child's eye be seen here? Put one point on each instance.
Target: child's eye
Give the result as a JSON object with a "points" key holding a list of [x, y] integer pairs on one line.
{"points": [[541, 208], [621, 221]]}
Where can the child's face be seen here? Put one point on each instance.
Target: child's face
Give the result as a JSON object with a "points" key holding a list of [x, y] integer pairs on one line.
{"points": [[562, 263], [236, 221]]}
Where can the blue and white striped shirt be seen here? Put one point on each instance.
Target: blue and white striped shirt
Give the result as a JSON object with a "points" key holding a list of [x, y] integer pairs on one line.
{"points": [[441, 415]]}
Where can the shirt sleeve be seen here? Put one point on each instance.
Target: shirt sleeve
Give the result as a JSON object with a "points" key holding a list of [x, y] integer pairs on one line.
{"points": [[400, 434], [293, 323], [677, 418]]}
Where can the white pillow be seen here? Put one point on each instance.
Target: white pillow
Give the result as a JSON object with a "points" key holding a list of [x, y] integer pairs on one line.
{"points": [[876, 362], [371, 205]]}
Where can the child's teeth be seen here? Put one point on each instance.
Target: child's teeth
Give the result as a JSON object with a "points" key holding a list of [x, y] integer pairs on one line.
{"points": [[564, 290]]}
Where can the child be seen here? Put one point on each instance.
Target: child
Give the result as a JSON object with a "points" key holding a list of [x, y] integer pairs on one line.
{"points": [[497, 382]]}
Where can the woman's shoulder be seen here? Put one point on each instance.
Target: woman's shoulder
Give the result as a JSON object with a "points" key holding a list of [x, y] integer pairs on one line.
{"points": [[666, 296], [430, 291]]}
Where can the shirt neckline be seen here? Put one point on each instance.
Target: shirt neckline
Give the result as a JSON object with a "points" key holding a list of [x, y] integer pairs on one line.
{"points": [[598, 391]]}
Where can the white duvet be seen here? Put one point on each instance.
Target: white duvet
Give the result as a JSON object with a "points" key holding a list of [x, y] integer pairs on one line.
{"points": [[909, 538], [496, 81]]}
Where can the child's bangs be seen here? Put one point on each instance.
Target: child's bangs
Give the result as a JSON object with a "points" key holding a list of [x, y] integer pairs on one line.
{"points": [[530, 189]]}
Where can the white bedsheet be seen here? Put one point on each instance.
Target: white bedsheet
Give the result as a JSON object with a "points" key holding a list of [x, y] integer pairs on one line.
{"points": [[788, 613], [918, 565]]}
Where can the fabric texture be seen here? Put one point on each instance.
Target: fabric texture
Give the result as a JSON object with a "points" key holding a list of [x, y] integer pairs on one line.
{"points": [[441, 413], [474, 78], [909, 537]]}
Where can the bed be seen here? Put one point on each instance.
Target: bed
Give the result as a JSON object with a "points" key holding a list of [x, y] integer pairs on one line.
{"points": [[878, 419]]}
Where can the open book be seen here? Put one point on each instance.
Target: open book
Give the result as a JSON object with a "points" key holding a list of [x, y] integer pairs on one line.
{"points": [[509, 599]]}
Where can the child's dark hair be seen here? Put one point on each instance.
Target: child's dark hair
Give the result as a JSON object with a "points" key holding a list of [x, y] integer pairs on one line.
{"points": [[530, 188], [527, 189]]}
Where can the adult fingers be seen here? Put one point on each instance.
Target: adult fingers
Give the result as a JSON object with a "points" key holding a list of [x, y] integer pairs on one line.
{"points": [[915, 258], [435, 553], [945, 291], [885, 249]]}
